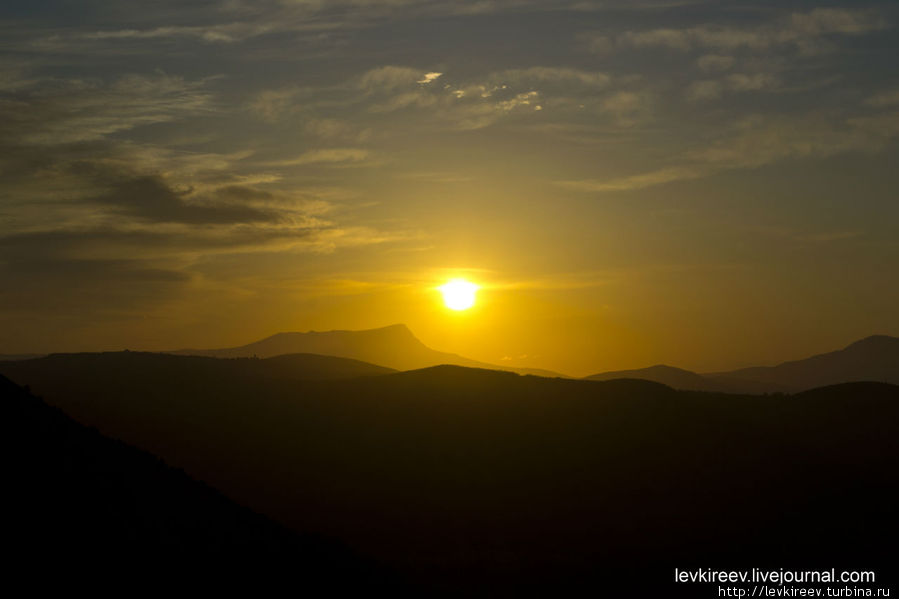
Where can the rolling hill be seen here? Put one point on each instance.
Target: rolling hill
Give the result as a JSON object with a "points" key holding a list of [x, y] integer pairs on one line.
{"points": [[150, 368], [393, 346], [466, 479], [874, 358], [15, 357], [677, 378]]}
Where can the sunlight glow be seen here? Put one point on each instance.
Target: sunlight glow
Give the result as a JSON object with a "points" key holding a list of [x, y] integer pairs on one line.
{"points": [[458, 294]]}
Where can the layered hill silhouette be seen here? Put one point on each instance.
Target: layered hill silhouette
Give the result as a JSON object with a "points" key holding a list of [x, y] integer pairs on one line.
{"points": [[677, 378], [76, 500], [13, 357], [466, 479], [154, 369], [393, 346], [874, 358]]}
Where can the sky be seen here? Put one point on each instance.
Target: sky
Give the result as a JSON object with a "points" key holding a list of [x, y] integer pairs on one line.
{"points": [[704, 184]]}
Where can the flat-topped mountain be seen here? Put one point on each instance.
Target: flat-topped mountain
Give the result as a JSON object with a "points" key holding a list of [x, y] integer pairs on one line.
{"points": [[393, 346]]}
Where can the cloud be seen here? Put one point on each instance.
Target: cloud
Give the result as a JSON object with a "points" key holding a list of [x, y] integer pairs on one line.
{"points": [[413, 99], [712, 89], [337, 112], [389, 78], [802, 30], [550, 75], [429, 78], [150, 198], [326, 156], [54, 111], [97, 213], [884, 99], [596, 43], [483, 101], [270, 105], [626, 107], [337, 129], [715, 62], [220, 33], [634, 182], [60, 152], [759, 141]]}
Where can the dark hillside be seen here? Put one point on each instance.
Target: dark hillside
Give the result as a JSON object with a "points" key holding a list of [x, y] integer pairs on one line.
{"points": [[465, 478], [81, 506]]}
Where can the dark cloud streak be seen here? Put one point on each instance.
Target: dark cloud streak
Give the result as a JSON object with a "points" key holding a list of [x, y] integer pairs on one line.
{"points": [[150, 198]]}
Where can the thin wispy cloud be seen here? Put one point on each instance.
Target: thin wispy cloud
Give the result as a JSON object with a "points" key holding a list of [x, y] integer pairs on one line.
{"points": [[804, 31]]}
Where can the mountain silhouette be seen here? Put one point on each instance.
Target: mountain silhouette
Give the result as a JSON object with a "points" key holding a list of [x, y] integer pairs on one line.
{"points": [[13, 357], [153, 367], [394, 347], [463, 479], [76, 501], [874, 358], [676, 378]]}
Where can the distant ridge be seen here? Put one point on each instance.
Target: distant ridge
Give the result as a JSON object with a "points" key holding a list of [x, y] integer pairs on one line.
{"points": [[393, 347], [154, 366], [874, 358], [16, 357], [677, 378]]}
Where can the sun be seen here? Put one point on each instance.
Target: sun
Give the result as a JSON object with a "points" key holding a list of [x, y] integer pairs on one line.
{"points": [[458, 294]]}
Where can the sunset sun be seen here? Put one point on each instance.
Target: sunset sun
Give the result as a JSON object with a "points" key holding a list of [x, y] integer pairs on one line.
{"points": [[458, 294]]}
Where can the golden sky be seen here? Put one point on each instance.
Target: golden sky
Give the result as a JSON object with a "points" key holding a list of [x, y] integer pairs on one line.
{"points": [[703, 184]]}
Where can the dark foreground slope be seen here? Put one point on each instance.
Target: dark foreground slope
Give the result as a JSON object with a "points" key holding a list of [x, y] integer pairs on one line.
{"points": [[84, 511], [477, 480]]}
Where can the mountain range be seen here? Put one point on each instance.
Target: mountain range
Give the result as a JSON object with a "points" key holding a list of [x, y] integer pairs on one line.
{"points": [[393, 346], [463, 479], [874, 358]]}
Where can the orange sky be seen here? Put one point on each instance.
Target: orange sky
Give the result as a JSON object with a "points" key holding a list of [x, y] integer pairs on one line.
{"points": [[629, 182]]}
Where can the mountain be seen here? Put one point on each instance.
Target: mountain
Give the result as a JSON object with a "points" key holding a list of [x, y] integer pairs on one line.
{"points": [[393, 346], [197, 374], [676, 378], [463, 479], [149, 366], [76, 500], [874, 358], [13, 357], [687, 380]]}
